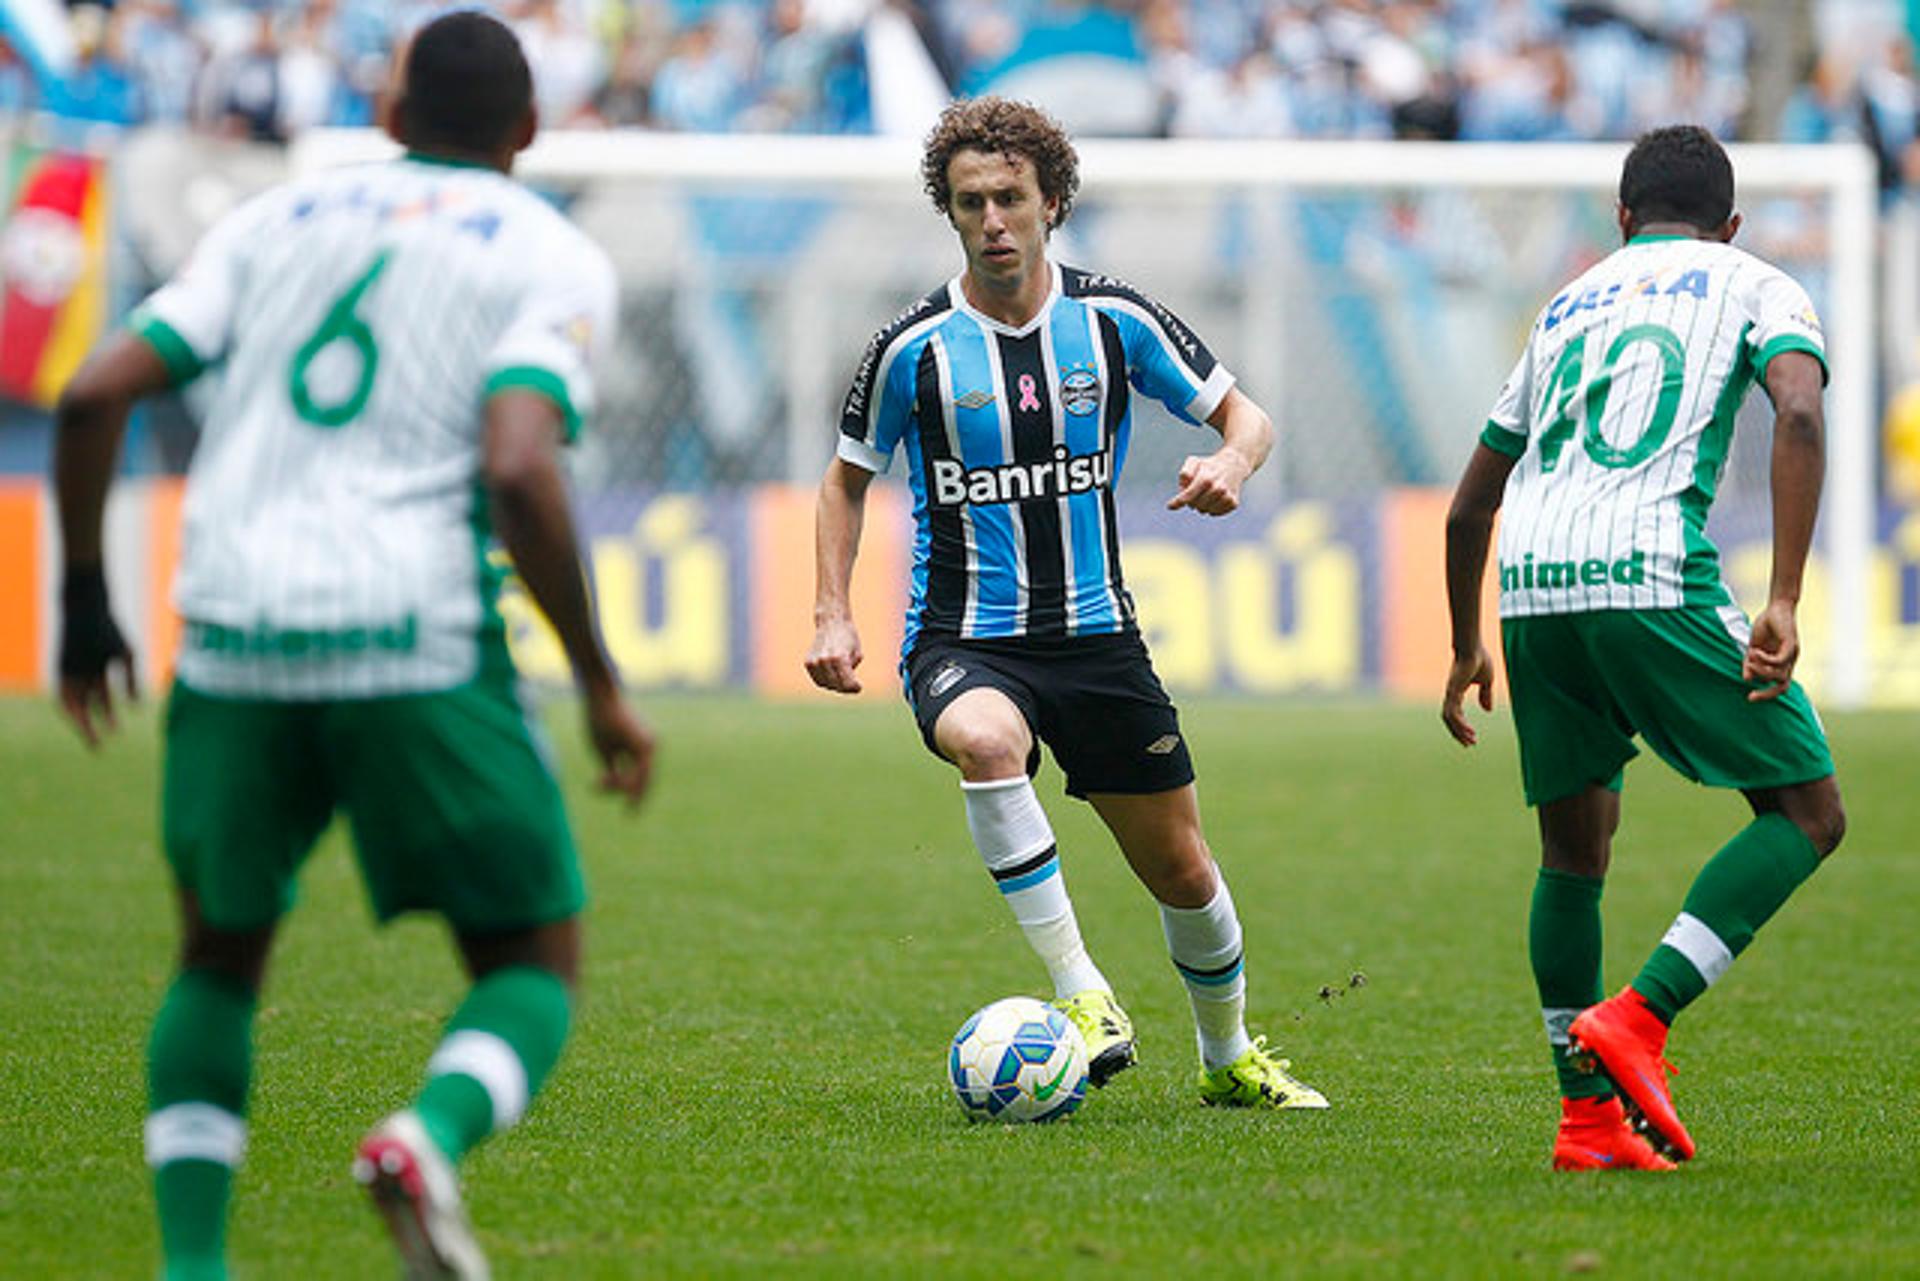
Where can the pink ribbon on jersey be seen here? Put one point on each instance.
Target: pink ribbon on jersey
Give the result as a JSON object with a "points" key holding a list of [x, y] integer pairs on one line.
{"points": [[1029, 394]]}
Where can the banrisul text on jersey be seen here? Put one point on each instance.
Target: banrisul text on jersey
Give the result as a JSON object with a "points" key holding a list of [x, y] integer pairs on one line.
{"points": [[1014, 438]]}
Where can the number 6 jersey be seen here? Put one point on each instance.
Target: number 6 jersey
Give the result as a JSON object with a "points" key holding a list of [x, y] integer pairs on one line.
{"points": [[353, 325], [1621, 413]]}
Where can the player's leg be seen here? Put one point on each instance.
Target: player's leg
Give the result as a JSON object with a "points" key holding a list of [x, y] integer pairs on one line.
{"points": [[1563, 923], [1574, 740], [1677, 674], [455, 811], [1563, 944], [969, 716], [199, 1065], [1160, 835], [242, 804], [506, 1035], [1739, 890], [496, 1053]]}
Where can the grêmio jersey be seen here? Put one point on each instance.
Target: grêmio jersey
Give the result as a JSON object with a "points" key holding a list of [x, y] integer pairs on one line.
{"points": [[1621, 414], [353, 324], [1014, 438]]}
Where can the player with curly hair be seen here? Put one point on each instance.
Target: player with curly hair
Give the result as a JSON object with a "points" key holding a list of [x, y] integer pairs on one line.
{"points": [[1009, 388]]}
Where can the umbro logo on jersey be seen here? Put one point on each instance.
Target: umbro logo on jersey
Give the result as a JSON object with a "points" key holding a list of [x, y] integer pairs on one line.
{"points": [[1164, 745], [945, 679], [974, 400]]}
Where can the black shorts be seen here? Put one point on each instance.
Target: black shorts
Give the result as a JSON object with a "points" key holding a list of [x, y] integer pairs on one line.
{"points": [[1093, 700]]}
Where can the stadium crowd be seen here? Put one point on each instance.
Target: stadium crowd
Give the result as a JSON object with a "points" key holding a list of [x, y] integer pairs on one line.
{"points": [[1486, 69]]}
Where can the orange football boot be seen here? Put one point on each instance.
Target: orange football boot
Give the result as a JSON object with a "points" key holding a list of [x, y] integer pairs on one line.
{"points": [[1624, 1038], [1594, 1135]]}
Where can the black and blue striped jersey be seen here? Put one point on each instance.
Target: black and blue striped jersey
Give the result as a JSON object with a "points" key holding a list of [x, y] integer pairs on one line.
{"points": [[1014, 438]]}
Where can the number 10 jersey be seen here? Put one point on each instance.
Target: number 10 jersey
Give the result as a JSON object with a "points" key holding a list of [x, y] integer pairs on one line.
{"points": [[352, 325], [1621, 414]]}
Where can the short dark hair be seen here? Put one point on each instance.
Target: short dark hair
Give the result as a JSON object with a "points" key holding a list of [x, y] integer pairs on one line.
{"points": [[1678, 173], [467, 84], [999, 126]]}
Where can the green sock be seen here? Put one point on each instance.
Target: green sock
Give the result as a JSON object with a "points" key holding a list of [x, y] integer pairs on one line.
{"points": [[1734, 895], [1563, 942], [198, 1062], [499, 1047]]}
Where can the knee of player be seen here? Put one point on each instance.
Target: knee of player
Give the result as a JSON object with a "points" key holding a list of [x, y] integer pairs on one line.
{"points": [[985, 751], [1190, 883], [1826, 827]]}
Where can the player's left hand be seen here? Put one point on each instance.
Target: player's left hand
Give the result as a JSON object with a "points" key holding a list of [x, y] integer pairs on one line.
{"points": [[1210, 483], [1772, 651], [91, 646], [1467, 671], [623, 743]]}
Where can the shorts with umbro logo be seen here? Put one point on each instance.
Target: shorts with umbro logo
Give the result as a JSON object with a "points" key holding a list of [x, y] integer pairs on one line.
{"points": [[1093, 700]]}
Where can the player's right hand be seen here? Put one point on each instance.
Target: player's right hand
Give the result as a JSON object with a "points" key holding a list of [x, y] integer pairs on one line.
{"points": [[835, 653], [91, 646], [624, 744], [1467, 671]]}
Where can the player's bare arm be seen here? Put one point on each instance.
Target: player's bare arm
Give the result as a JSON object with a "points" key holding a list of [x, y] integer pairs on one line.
{"points": [[89, 422], [1210, 483], [1476, 500], [1793, 381], [837, 524], [535, 520]]}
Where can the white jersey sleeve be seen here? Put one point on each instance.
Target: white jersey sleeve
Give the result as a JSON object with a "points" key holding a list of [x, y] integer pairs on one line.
{"points": [[559, 332], [1783, 319], [190, 319], [1507, 427]]}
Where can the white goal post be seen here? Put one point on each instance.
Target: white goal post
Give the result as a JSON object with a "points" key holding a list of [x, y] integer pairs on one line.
{"points": [[1839, 179]]}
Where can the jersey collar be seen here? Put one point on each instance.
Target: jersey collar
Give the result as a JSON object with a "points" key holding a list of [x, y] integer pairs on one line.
{"points": [[958, 295], [445, 162]]}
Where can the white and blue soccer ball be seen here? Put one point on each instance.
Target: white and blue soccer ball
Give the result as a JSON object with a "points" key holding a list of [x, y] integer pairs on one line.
{"points": [[1018, 1060]]}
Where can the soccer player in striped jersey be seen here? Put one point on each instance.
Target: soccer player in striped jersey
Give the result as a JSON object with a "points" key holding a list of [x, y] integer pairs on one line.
{"points": [[1009, 389], [1607, 444], [399, 351]]}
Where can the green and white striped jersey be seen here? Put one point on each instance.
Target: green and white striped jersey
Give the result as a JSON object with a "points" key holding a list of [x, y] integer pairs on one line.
{"points": [[1621, 413], [353, 324]]}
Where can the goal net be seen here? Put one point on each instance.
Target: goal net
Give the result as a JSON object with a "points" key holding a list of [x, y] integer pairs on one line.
{"points": [[1372, 296]]}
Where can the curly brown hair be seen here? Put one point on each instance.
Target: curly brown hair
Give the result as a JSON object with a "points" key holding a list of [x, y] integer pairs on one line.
{"points": [[1011, 129]]}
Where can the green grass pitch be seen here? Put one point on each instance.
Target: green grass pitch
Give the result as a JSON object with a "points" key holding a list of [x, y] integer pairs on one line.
{"points": [[782, 941]]}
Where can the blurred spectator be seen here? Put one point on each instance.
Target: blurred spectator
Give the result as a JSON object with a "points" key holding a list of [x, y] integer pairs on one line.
{"points": [[1489, 69], [700, 88], [566, 60], [162, 56], [101, 89], [1826, 107], [16, 82], [240, 93], [793, 72]]}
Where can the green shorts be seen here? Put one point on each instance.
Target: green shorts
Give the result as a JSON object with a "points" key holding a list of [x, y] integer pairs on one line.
{"points": [[452, 804], [1584, 684]]}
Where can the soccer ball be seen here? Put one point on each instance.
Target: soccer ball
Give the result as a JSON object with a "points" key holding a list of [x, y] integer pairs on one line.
{"points": [[1018, 1060]]}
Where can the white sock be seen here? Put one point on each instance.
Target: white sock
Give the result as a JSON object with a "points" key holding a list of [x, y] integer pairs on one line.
{"points": [[1012, 834], [1205, 945]]}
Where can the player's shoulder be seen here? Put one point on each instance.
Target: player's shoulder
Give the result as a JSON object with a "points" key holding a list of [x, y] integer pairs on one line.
{"points": [[1099, 289], [914, 321], [1121, 300], [1118, 297]]}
